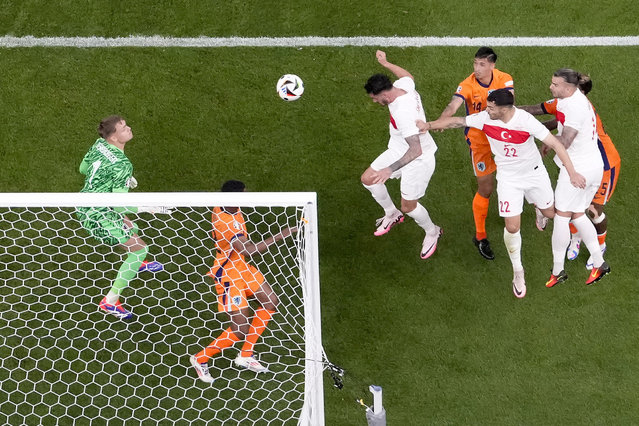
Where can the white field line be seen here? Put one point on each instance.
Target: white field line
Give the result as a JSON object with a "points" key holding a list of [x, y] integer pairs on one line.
{"points": [[160, 41]]}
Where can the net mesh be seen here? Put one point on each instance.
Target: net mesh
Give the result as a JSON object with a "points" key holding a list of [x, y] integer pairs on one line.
{"points": [[63, 361]]}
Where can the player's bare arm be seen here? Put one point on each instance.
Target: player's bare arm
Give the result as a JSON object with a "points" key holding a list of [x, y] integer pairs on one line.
{"points": [[441, 124], [414, 150], [568, 135], [246, 247], [550, 124], [532, 109], [452, 107], [395, 69], [577, 180]]}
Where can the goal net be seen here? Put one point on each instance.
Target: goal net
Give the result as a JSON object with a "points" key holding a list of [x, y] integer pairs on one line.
{"points": [[64, 361]]}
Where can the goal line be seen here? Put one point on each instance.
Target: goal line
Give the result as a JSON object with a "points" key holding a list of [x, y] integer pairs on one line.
{"points": [[311, 41]]}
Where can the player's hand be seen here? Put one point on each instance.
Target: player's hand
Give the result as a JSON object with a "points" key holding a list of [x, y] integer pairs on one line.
{"points": [[381, 57], [545, 149], [156, 210], [578, 181], [382, 175], [422, 126]]}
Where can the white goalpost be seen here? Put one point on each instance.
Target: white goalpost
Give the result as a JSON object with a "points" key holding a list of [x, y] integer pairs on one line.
{"points": [[64, 361]]}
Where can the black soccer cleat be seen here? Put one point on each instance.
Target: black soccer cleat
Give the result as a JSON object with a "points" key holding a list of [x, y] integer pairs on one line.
{"points": [[484, 248]]}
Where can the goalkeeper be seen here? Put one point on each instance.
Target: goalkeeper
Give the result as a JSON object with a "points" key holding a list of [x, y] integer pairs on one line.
{"points": [[235, 281], [107, 169]]}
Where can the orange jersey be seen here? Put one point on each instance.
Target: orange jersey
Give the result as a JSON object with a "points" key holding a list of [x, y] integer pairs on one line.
{"points": [[226, 228], [475, 94], [608, 151]]}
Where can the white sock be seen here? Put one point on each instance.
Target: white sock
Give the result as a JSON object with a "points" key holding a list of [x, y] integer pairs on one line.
{"points": [[112, 297], [381, 195], [589, 237], [422, 218], [560, 242], [513, 245]]}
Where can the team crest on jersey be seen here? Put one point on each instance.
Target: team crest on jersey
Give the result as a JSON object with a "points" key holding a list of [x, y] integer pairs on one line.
{"points": [[236, 225], [481, 166], [459, 89], [552, 101], [236, 300]]}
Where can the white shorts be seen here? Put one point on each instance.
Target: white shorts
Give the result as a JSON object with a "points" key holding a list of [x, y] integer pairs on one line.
{"points": [[414, 175], [571, 199], [534, 187]]}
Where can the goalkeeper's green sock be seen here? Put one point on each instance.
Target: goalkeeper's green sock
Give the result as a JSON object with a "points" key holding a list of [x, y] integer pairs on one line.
{"points": [[127, 272]]}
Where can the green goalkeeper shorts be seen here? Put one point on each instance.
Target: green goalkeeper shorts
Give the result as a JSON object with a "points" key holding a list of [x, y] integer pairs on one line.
{"points": [[106, 225]]}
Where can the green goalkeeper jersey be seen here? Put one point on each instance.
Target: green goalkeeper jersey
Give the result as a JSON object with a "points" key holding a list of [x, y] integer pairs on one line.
{"points": [[107, 169]]}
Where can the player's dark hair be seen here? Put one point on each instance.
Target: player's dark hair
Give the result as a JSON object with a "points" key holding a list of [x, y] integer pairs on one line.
{"points": [[107, 125], [488, 53], [233, 186], [501, 97], [571, 76], [585, 83], [378, 83]]}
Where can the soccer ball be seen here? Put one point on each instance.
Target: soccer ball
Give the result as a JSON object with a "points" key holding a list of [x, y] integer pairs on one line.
{"points": [[290, 87]]}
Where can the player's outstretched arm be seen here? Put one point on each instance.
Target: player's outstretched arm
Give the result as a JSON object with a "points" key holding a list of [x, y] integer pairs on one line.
{"points": [[441, 124], [248, 248], [452, 107], [395, 69], [533, 109], [576, 179]]}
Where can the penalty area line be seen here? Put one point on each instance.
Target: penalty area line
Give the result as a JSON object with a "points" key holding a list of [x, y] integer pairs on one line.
{"points": [[311, 41]]}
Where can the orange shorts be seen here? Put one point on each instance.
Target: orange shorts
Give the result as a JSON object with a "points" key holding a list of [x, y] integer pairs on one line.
{"points": [[234, 284], [481, 157], [607, 187]]}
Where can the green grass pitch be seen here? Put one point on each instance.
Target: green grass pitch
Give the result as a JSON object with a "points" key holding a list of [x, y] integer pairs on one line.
{"points": [[445, 338]]}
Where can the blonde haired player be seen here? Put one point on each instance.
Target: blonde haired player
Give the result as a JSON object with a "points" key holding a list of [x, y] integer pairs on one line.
{"points": [[235, 281]]}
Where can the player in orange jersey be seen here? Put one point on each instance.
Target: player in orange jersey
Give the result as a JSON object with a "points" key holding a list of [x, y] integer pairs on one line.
{"points": [[612, 166], [473, 92], [235, 281]]}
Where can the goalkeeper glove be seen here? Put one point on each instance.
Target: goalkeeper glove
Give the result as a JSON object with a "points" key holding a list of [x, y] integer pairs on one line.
{"points": [[156, 210], [131, 182]]}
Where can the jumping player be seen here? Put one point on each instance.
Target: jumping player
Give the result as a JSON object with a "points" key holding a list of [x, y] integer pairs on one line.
{"points": [[235, 281], [473, 92], [520, 171], [107, 169], [410, 155]]}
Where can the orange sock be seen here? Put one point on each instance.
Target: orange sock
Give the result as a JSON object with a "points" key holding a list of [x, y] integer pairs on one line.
{"points": [[480, 211], [602, 238], [258, 325], [224, 340], [573, 230]]}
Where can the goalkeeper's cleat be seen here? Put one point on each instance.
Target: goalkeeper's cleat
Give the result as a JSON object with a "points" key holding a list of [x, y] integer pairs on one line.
{"points": [[519, 284], [117, 310], [250, 363], [152, 266], [589, 263], [573, 248], [430, 243], [540, 220], [556, 279], [598, 273], [384, 224], [202, 370]]}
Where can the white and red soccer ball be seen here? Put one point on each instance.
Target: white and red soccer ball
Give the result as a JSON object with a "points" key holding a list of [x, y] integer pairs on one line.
{"points": [[290, 87]]}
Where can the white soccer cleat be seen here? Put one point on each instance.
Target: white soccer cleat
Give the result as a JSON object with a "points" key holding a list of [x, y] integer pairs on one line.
{"points": [[250, 363], [519, 284], [540, 220], [384, 224], [430, 243], [202, 370], [573, 248], [589, 264]]}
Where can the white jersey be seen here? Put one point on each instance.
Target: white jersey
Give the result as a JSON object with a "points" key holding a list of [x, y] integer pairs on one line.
{"points": [[576, 112], [512, 143], [404, 111]]}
